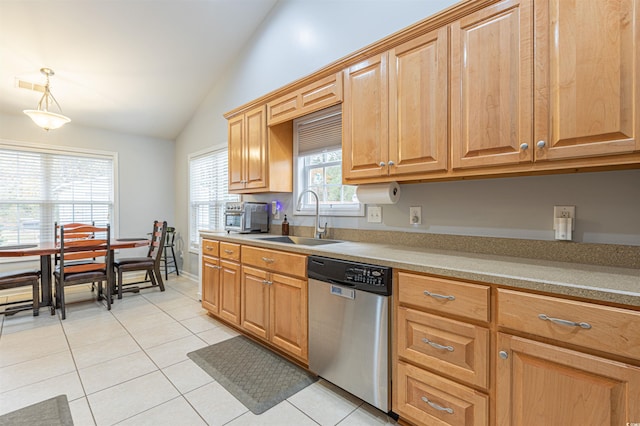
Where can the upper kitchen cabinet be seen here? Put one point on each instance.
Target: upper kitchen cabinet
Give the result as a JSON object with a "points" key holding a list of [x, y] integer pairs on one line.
{"points": [[491, 86], [365, 119], [587, 85], [257, 152], [395, 112], [313, 97]]}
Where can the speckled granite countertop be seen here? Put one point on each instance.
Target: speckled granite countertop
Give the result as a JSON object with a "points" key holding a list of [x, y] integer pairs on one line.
{"points": [[600, 283]]}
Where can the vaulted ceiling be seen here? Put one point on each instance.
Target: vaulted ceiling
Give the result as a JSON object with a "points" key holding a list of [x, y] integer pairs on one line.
{"points": [[134, 66]]}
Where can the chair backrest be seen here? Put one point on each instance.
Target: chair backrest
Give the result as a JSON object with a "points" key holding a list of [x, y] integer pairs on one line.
{"points": [[158, 237], [171, 236], [68, 227], [83, 243]]}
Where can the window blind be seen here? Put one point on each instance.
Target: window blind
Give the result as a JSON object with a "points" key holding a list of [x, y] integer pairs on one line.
{"points": [[209, 191], [40, 187], [317, 135]]}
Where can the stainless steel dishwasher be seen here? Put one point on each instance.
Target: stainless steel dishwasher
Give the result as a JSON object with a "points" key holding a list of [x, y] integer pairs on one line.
{"points": [[349, 327]]}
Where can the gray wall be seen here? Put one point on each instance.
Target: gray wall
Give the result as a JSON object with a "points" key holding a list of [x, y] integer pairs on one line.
{"points": [[302, 36]]}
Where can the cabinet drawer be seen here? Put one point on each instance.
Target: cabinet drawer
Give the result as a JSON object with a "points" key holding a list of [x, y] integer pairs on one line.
{"points": [[603, 328], [427, 399], [446, 296], [210, 248], [277, 261], [444, 346], [230, 251]]}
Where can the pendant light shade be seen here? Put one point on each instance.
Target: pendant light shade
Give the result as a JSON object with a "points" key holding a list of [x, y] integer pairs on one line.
{"points": [[42, 116]]}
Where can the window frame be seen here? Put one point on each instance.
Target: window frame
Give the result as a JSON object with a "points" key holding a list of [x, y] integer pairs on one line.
{"points": [[194, 243]]}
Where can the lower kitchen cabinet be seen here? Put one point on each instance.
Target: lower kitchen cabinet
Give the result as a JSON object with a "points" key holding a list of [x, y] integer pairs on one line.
{"points": [[441, 351], [542, 384], [230, 291], [210, 276], [274, 308]]}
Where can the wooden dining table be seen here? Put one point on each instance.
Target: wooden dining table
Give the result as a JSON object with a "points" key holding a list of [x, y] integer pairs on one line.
{"points": [[46, 249]]}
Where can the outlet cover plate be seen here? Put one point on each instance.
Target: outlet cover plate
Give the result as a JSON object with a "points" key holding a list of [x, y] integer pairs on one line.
{"points": [[415, 215], [374, 214]]}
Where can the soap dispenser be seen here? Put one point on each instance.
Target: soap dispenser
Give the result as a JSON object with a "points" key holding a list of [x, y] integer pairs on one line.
{"points": [[285, 226]]}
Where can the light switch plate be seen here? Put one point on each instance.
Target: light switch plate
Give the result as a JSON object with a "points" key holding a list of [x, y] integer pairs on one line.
{"points": [[374, 214], [415, 215]]}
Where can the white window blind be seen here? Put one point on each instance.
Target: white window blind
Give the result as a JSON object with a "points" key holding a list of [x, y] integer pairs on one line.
{"points": [[208, 183], [39, 187]]}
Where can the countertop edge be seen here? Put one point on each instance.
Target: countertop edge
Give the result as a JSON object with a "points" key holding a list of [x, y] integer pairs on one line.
{"points": [[561, 278]]}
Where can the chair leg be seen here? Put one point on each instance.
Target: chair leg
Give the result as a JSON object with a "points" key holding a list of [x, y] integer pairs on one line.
{"points": [[108, 291], [166, 264], [119, 283], [175, 261], [60, 298], [158, 275]]}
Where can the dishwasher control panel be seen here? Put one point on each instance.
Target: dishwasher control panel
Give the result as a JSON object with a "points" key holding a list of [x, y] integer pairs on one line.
{"points": [[361, 276]]}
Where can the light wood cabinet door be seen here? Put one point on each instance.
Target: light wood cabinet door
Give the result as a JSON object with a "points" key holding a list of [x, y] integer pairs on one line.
{"points": [[587, 78], [418, 105], [230, 275], [255, 301], [248, 150], [236, 152], [211, 284], [491, 86], [540, 384], [288, 319], [256, 148], [365, 117]]}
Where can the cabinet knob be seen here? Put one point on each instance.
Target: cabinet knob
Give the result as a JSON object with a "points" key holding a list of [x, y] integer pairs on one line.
{"points": [[541, 144], [503, 354], [382, 164], [391, 163], [524, 146]]}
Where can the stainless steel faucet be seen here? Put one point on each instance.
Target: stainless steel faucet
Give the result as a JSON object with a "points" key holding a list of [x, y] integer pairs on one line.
{"points": [[318, 231]]}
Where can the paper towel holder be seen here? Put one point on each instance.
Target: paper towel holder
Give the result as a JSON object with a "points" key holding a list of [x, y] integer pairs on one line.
{"points": [[378, 193]]}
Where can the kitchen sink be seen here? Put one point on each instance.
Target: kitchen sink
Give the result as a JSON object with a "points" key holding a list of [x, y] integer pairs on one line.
{"points": [[300, 240]]}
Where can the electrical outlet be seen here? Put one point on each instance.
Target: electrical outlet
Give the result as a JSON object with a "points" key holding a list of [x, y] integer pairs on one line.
{"points": [[415, 215], [568, 212], [374, 214]]}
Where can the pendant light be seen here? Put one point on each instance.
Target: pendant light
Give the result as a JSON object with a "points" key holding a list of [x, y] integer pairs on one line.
{"points": [[42, 116]]}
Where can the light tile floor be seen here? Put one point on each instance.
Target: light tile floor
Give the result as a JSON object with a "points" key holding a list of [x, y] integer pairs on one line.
{"points": [[129, 366]]}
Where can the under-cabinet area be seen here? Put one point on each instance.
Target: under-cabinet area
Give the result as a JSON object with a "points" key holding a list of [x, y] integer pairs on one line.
{"points": [[463, 351]]}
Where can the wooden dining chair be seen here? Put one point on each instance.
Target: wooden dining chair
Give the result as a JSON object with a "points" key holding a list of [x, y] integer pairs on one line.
{"points": [[84, 260], [150, 264], [16, 279]]}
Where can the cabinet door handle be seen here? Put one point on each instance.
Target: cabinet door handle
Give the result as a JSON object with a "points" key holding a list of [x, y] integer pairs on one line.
{"points": [[438, 296], [524, 146], [437, 345], [267, 282], [268, 260], [228, 251], [541, 144], [382, 164], [584, 325], [436, 406], [218, 267], [391, 163]]}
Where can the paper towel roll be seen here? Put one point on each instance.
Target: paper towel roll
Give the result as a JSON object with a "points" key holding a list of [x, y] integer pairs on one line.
{"points": [[379, 193]]}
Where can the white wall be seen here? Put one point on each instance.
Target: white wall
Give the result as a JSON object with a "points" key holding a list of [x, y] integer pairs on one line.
{"points": [[145, 169], [302, 36]]}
